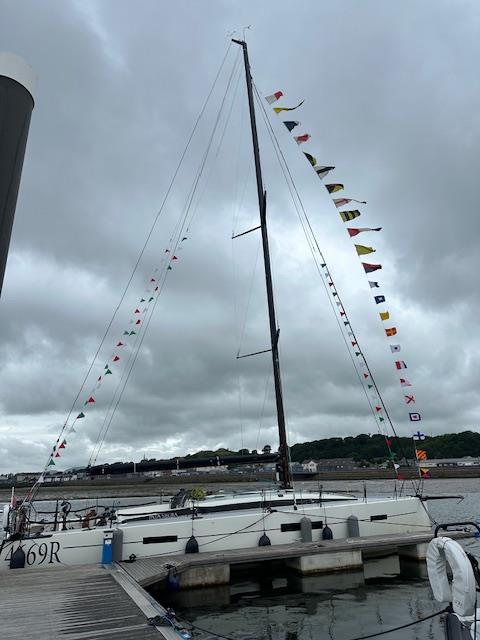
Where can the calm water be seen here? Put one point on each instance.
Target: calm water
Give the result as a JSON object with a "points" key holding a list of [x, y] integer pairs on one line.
{"points": [[280, 606]]}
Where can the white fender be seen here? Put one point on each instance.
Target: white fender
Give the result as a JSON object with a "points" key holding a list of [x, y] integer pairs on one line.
{"points": [[6, 517], [462, 593]]}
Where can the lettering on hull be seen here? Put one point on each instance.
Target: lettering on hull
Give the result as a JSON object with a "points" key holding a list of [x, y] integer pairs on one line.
{"points": [[37, 553]]}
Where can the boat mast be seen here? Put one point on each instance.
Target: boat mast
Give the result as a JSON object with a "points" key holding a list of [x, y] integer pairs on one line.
{"points": [[285, 471]]}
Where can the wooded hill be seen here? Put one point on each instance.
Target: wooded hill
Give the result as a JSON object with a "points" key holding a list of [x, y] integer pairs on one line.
{"points": [[372, 448]]}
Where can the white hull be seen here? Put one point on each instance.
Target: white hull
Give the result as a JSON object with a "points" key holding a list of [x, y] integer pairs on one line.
{"points": [[222, 531]]}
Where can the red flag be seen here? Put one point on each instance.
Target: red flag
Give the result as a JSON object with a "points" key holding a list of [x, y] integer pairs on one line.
{"points": [[119, 344], [57, 455], [365, 375], [378, 408], [354, 344], [138, 322], [90, 400], [156, 288], [304, 138], [152, 279], [99, 378], [116, 359], [389, 442], [137, 311], [174, 258], [167, 250], [62, 446]]}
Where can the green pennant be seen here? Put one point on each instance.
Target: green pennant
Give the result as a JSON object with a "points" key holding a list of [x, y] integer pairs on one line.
{"points": [[51, 462], [370, 386], [80, 415], [381, 419], [150, 299], [106, 366], [142, 300], [169, 268], [132, 333], [107, 372], [125, 333], [357, 353]]}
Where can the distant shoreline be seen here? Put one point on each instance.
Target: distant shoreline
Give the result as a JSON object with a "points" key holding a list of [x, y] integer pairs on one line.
{"points": [[129, 487]]}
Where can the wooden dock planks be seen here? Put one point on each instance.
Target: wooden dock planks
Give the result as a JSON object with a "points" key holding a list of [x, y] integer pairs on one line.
{"points": [[81, 603]]}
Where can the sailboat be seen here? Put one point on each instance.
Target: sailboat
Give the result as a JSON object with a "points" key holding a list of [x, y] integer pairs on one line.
{"points": [[219, 522]]}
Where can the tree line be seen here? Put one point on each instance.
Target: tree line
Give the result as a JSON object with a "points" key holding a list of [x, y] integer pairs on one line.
{"points": [[372, 448]]}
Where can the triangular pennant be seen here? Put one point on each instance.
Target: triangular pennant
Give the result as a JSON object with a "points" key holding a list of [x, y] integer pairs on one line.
{"points": [[119, 344], [150, 299], [90, 400], [303, 138], [280, 109], [51, 462], [108, 372], [312, 160], [291, 124], [322, 172], [334, 187], [169, 268], [80, 416], [132, 333], [117, 358], [57, 455]]}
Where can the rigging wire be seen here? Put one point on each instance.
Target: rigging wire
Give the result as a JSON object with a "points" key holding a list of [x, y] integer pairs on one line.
{"points": [[181, 226], [314, 246], [31, 493]]}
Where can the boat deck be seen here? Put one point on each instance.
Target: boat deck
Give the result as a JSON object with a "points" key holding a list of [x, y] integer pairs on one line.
{"points": [[81, 603]]}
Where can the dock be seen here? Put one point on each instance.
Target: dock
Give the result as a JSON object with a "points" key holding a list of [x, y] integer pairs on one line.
{"points": [[81, 603], [306, 558], [110, 602]]}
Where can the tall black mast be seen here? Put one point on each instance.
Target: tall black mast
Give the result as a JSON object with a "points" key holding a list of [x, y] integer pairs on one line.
{"points": [[285, 471]]}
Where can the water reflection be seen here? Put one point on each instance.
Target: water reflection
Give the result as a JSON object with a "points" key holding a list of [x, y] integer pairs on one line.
{"points": [[280, 605]]}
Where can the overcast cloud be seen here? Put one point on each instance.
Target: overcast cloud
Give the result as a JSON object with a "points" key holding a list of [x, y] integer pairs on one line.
{"points": [[391, 99]]}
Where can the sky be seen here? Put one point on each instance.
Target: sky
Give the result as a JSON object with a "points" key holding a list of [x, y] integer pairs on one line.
{"points": [[391, 100]]}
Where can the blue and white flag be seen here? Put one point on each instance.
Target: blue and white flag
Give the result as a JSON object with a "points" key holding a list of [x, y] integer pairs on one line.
{"points": [[419, 435]]}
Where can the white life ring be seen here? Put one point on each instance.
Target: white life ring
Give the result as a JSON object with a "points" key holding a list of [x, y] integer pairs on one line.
{"points": [[462, 593]]}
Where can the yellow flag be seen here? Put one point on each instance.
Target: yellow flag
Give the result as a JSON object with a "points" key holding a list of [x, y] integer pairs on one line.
{"points": [[363, 251], [384, 315]]}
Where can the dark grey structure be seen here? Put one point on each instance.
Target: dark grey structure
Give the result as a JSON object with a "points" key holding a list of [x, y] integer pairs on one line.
{"points": [[17, 87]]}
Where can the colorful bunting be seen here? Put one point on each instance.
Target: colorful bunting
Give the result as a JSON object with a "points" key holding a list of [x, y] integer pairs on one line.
{"points": [[303, 138], [280, 109], [384, 315], [346, 216], [339, 202], [363, 251], [322, 172], [274, 97], [400, 364], [291, 124], [334, 187], [371, 267], [352, 231], [312, 160], [391, 332]]}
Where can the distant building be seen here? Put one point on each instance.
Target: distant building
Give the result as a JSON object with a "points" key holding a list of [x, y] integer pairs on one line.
{"points": [[466, 461], [329, 464]]}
